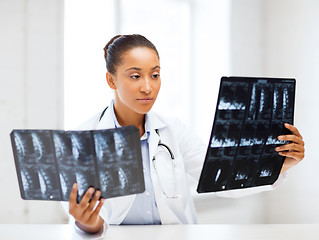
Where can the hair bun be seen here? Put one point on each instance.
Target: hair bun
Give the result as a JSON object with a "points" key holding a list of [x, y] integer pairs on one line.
{"points": [[106, 48], [119, 44]]}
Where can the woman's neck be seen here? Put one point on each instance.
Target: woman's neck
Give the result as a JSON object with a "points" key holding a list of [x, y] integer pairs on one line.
{"points": [[125, 116]]}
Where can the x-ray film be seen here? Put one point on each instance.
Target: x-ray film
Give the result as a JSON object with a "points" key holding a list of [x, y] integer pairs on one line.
{"points": [[48, 162], [250, 115]]}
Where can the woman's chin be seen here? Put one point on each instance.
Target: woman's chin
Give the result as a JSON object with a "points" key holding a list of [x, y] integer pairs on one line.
{"points": [[144, 109]]}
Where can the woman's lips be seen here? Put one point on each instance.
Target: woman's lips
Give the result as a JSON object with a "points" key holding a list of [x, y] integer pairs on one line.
{"points": [[145, 100]]}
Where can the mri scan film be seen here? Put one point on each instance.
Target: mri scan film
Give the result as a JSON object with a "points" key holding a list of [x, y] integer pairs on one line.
{"points": [[250, 115], [48, 162]]}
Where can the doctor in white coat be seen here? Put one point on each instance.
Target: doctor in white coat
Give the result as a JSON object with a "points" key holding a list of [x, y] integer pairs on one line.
{"points": [[171, 154]]}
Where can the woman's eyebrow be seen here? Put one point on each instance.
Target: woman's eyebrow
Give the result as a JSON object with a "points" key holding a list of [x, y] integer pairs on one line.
{"points": [[133, 68], [138, 69], [155, 67]]}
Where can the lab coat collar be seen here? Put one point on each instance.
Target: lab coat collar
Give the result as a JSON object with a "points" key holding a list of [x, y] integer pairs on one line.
{"points": [[106, 121], [152, 121]]}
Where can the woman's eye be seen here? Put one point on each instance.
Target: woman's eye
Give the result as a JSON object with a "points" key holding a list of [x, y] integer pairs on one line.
{"points": [[155, 76], [135, 76]]}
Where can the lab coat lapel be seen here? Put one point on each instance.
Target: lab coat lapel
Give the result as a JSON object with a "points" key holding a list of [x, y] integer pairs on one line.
{"points": [[152, 123], [153, 143], [165, 208]]}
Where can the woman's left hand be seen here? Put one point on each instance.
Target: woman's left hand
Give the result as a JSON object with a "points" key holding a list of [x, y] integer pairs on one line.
{"points": [[293, 151]]}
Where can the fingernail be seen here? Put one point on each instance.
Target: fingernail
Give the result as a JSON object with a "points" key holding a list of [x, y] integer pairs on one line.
{"points": [[97, 194], [277, 148], [280, 137], [74, 186], [91, 190]]}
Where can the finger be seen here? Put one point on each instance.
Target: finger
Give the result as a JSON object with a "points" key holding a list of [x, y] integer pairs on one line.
{"points": [[293, 129], [93, 202], [73, 195], [86, 198], [291, 138], [295, 155], [290, 147], [98, 209]]}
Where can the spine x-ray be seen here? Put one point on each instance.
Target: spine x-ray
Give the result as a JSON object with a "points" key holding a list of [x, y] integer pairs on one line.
{"points": [[250, 115], [48, 162]]}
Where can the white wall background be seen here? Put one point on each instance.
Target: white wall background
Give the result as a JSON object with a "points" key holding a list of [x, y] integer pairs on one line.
{"points": [[31, 93], [265, 38], [280, 38]]}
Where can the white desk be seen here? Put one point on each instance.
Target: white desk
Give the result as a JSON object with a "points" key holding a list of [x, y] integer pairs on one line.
{"points": [[169, 232]]}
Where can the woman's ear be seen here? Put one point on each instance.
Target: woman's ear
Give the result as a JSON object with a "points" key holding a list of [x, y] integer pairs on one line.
{"points": [[110, 80]]}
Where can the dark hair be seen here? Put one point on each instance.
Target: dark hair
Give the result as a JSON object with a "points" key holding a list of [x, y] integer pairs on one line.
{"points": [[120, 44]]}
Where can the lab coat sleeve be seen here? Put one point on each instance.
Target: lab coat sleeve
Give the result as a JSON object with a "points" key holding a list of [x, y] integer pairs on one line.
{"points": [[193, 150]]}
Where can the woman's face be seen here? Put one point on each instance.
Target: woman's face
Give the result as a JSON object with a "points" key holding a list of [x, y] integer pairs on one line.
{"points": [[137, 79]]}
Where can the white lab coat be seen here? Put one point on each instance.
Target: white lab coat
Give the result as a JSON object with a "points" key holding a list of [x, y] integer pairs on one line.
{"points": [[189, 152]]}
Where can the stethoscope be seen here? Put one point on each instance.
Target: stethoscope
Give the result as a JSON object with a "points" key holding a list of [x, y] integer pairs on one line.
{"points": [[164, 145], [160, 144]]}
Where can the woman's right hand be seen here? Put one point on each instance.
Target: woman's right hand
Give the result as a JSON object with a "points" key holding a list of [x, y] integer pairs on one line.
{"points": [[86, 216]]}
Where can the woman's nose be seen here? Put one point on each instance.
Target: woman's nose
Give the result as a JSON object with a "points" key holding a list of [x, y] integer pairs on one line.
{"points": [[146, 86]]}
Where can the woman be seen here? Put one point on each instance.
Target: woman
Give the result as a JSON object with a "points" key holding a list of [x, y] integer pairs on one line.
{"points": [[133, 72]]}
